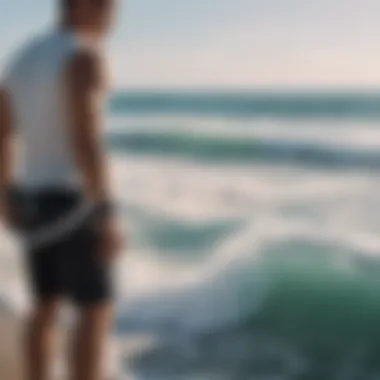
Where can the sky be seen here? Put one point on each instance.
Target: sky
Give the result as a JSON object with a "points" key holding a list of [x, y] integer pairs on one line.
{"points": [[226, 43]]}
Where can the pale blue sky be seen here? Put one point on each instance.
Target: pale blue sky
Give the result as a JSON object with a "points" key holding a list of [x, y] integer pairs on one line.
{"points": [[228, 43]]}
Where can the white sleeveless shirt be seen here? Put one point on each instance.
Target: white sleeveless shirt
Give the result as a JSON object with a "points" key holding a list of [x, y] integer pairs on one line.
{"points": [[35, 81]]}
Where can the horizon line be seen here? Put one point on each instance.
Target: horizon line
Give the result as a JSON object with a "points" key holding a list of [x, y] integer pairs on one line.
{"points": [[340, 90]]}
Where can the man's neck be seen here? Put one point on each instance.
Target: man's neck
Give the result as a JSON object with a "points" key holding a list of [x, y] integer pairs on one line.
{"points": [[84, 32]]}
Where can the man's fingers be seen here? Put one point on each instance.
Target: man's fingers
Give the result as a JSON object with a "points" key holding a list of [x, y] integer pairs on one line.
{"points": [[110, 249]]}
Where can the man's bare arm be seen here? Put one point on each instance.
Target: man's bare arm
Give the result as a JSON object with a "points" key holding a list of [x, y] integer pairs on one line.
{"points": [[6, 151], [85, 83]]}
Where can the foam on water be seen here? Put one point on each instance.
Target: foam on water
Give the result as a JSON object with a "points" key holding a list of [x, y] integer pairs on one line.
{"points": [[330, 132], [284, 228], [339, 145], [265, 254], [285, 205]]}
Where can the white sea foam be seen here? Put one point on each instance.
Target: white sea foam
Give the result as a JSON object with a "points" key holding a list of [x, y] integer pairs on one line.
{"points": [[200, 286], [330, 133], [273, 205]]}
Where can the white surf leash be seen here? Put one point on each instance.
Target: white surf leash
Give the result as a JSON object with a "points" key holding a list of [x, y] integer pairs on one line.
{"points": [[61, 228]]}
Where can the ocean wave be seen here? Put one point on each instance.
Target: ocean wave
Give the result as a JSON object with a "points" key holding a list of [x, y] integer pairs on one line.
{"points": [[286, 105], [297, 310], [203, 147]]}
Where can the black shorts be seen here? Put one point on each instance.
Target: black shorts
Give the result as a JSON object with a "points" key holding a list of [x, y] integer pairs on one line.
{"points": [[68, 266]]}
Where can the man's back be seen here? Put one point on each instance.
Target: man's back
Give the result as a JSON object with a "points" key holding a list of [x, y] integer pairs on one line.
{"points": [[35, 82]]}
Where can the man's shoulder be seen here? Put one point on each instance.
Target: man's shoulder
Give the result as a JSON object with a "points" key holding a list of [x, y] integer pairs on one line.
{"points": [[86, 67]]}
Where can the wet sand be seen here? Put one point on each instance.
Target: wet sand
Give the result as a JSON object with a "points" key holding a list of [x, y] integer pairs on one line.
{"points": [[12, 366], [11, 361]]}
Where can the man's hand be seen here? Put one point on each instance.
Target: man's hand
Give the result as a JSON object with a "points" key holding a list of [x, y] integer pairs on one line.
{"points": [[111, 239]]}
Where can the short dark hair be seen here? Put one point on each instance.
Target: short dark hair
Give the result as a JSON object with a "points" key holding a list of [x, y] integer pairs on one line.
{"points": [[66, 5]]}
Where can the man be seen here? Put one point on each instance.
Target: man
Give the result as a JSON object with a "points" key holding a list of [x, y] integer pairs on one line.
{"points": [[52, 96]]}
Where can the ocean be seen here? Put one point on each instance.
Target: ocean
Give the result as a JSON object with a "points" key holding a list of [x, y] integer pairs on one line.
{"points": [[254, 235]]}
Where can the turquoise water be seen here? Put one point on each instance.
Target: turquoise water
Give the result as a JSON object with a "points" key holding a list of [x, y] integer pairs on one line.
{"points": [[256, 233], [248, 104]]}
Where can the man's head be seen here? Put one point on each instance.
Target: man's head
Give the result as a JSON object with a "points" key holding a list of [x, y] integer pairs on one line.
{"points": [[91, 16]]}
